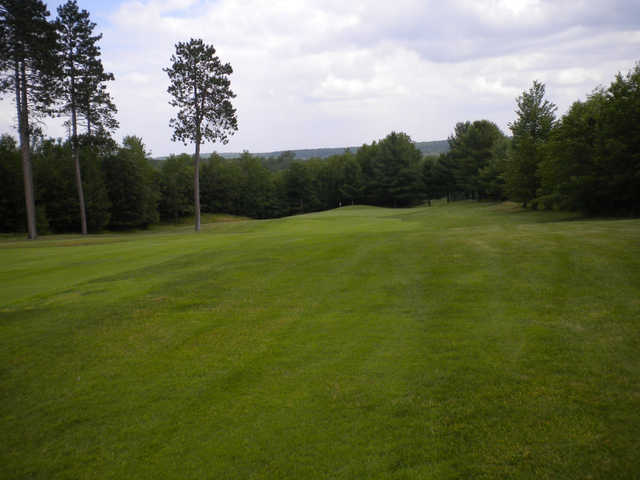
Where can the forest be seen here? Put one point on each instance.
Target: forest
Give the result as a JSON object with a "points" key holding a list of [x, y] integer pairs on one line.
{"points": [[588, 160]]}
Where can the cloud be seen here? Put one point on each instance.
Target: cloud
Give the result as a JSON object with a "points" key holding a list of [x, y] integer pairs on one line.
{"points": [[334, 72]]}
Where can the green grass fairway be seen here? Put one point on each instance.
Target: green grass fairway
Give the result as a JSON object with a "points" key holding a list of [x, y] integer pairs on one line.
{"points": [[458, 341]]}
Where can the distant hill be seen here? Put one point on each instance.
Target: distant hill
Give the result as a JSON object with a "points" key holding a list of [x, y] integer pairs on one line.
{"points": [[435, 147], [427, 148]]}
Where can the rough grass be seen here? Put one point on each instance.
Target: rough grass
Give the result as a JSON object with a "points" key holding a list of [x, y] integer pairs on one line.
{"points": [[458, 341]]}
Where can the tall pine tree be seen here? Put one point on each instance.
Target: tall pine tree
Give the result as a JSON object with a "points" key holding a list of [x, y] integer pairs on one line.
{"points": [[82, 87], [29, 70], [201, 90]]}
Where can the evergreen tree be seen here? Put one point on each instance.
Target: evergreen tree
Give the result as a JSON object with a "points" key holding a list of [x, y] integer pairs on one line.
{"points": [[11, 189], [93, 151], [443, 173], [592, 163], [471, 149], [29, 70], [365, 157], [329, 178], [215, 185], [300, 188], [131, 185], [56, 189], [532, 128], [432, 189], [491, 175], [176, 188], [78, 55], [397, 179], [351, 186], [201, 90], [618, 145], [256, 187], [569, 168], [82, 87]]}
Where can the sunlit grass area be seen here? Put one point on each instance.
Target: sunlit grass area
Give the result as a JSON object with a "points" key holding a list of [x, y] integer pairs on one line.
{"points": [[458, 341]]}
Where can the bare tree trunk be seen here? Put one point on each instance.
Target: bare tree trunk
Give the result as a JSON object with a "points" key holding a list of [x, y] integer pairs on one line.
{"points": [[196, 184], [76, 161], [196, 166], [83, 214], [23, 128]]}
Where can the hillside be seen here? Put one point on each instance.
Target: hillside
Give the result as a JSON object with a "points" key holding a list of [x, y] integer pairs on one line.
{"points": [[427, 148]]}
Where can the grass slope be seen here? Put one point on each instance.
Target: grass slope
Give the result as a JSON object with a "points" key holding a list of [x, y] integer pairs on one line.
{"points": [[458, 341]]}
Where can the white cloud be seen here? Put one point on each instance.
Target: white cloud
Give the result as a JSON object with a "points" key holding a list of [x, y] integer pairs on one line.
{"points": [[331, 73]]}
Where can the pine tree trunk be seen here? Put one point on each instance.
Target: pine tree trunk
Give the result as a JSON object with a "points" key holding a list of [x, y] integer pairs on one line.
{"points": [[76, 161], [196, 184], [23, 127], [83, 214], [88, 119], [196, 166]]}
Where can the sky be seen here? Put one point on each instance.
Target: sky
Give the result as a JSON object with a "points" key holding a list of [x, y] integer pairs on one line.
{"points": [[334, 73]]}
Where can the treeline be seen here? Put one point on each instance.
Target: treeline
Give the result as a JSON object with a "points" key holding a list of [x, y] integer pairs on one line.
{"points": [[589, 160], [427, 148], [125, 189], [53, 68], [118, 180]]}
